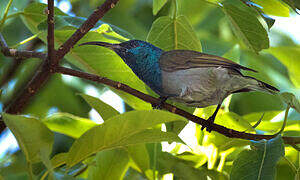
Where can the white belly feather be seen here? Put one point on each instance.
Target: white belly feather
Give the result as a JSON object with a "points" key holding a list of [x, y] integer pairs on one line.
{"points": [[200, 87]]}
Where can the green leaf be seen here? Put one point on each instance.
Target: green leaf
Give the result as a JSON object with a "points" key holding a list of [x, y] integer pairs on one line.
{"points": [[245, 25], [32, 135], [96, 60], [34, 14], [157, 5], [273, 7], [105, 110], [294, 4], [232, 121], [254, 117], [69, 124], [169, 34], [74, 22], [260, 161], [167, 163], [140, 156], [63, 100], [289, 56], [122, 130], [291, 100], [110, 164], [59, 159]]}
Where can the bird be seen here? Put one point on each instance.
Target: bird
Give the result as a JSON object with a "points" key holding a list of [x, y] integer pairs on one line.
{"points": [[190, 77]]}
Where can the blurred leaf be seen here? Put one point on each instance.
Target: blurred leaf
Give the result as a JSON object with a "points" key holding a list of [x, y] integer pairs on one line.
{"points": [[232, 121], [260, 161], [73, 22], [55, 96], [69, 124], [273, 7], [245, 25], [181, 169], [110, 164], [270, 21], [169, 34], [17, 6], [198, 159], [289, 56], [140, 156], [96, 60], [122, 130], [253, 117], [291, 100], [59, 159], [105, 110], [34, 14], [294, 4], [32, 136], [157, 5], [175, 126]]}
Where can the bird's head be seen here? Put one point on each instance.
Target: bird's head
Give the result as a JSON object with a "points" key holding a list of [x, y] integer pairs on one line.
{"points": [[132, 51]]}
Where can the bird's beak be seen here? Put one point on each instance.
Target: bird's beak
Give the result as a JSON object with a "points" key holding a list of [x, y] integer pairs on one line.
{"points": [[104, 44]]}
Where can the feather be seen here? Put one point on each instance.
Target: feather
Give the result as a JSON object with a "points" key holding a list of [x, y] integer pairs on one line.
{"points": [[185, 59]]}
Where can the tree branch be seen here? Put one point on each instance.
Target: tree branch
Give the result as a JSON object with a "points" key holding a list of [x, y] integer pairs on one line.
{"points": [[45, 70], [155, 101], [50, 36], [19, 54], [84, 28]]}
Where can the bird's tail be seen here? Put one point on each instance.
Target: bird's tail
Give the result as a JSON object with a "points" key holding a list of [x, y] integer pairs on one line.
{"points": [[257, 85]]}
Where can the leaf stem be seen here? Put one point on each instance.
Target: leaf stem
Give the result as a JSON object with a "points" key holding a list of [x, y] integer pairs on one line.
{"points": [[26, 40], [291, 164], [5, 14], [285, 119], [29, 166], [154, 161], [175, 9]]}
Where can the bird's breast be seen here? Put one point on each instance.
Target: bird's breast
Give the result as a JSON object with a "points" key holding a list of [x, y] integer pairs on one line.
{"points": [[199, 87]]}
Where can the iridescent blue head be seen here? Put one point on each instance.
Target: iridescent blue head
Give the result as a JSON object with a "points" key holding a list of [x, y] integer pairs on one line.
{"points": [[142, 57], [133, 51]]}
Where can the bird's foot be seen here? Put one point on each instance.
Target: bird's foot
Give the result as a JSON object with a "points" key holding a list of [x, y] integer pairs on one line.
{"points": [[208, 127], [161, 103]]}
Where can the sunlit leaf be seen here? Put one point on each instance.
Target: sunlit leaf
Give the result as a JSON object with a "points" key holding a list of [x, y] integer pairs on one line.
{"points": [[122, 130], [110, 164], [273, 7], [169, 34], [32, 135], [157, 5], [140, 156], [260, 161], [69, 124], [289, 56], [294, 4], [105, 110], [96, 60]]}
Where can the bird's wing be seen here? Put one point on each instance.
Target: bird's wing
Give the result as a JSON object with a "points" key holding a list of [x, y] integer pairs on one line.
{"points": [[185, 59]]}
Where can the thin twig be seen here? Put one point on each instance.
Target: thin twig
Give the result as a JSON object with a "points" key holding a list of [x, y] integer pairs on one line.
{"points": [[50, 36], [155, 101], [19, 54], [84, 28], [44, 72]]}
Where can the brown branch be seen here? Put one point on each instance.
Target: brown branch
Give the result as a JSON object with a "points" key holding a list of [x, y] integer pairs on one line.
{"points": [[84, 28], [50, 36], [45, 70], [19, 54], [155, 101]]}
